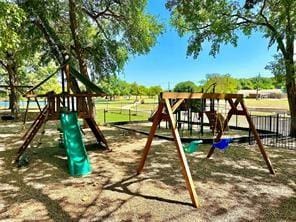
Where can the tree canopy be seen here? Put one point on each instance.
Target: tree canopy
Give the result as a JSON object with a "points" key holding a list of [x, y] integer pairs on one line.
{"points": [[223, 83], [100, 35], [97, 36], [114, 86], [186, 86], [221, 21]]}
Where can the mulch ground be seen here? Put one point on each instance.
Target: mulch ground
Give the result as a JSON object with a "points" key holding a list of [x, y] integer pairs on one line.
{"points": [[232, 186]]}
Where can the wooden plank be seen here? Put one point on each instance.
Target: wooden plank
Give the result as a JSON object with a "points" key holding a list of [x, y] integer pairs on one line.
{"points": [[232, 104], [257, 138], [43, 81], [177, 104], [26, 113], [97, 132], [184, 165], [181, 95], [36, 100], [67, 72], [156, 120]]}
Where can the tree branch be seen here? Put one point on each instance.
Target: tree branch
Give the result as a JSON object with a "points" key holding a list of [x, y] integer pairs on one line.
{"points": [[3, 64], [268, 25]]}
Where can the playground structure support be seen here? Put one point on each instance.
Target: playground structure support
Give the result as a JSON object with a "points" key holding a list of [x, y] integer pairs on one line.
{"points": [[165, 112]]}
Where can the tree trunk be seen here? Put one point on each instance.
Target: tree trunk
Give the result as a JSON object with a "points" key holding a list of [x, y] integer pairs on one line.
{"points": [[290, 69], [79, 51], [291, 92], [77, 45], [13, 96]]}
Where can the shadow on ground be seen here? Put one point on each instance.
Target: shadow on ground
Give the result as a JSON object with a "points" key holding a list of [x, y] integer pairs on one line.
{"points": [[234, 185]]}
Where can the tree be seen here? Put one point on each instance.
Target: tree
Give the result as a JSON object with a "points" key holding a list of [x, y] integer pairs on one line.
{"points": [[223, 83], [219, 22], [99, 36], [11, 47], [154, 90], [187, 86], [245, 83], [138, 90], [125, 89], [21, 54], [111, 86], [277, 67], [32, 73]]}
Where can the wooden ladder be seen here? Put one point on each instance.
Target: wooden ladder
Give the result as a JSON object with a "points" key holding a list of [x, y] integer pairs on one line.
{"points": [[32, 131]]}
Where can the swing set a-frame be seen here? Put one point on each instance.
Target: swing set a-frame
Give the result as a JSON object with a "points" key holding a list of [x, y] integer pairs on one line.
{"points": [[166, 111]]}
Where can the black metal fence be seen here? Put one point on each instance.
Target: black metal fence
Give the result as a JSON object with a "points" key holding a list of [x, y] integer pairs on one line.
{"points": [[123, 115], [274, 130]]}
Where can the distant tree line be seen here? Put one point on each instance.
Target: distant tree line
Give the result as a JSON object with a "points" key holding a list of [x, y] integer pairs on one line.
{"points": [[114, 86], [224, 83]]}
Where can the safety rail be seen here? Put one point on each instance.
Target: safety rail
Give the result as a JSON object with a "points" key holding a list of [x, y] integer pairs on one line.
{"points": [[80, 103]]}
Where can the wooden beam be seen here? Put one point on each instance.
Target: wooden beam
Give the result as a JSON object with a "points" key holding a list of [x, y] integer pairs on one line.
{"points": [[181, 95], [177, 104], [43, 81], [67, 72], [232, 104], [185, 167], [22, 86], [156, 120], [72, 94], [257, 138]]}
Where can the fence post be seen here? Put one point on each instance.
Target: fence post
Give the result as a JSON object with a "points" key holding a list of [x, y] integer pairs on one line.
{"points": [[250, 143], [277, 126], [270, 123], [129, 115], [136, 109], [250, 140], [104, 116]]}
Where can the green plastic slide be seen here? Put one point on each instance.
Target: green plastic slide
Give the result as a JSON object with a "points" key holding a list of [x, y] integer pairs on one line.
{"points": [[78, 161]]}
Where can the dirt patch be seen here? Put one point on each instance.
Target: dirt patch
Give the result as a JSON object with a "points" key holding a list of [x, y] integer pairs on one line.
{"points": [[232, 186]]}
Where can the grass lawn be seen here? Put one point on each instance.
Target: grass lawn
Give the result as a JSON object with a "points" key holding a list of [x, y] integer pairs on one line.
{"points": [[119, 108], [121, 115], [271, 103]]}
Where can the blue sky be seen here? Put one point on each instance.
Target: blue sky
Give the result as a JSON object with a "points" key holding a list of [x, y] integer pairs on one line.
{"points": [[167, 64]]}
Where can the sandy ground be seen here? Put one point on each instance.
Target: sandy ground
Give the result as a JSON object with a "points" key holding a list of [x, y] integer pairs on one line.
{"points": [[232, 186]]}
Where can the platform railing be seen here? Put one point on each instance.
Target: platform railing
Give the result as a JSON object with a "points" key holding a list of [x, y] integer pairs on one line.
{"points": [[80, 103]]}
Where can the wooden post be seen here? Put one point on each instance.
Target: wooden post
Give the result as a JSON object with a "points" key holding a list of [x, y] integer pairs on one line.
{"points": [[67, 71], [185, 167], [156, 121], [63, 81], [160, 114], [27, 109], [257, 138]]}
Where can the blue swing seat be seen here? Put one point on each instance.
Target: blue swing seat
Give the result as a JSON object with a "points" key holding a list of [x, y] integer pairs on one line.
{"points": [[192, 146], [222, 144]]}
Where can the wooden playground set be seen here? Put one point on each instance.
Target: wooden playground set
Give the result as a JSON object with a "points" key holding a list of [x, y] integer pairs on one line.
{"points": [[169, 103], [66, 102], [165, 111]]}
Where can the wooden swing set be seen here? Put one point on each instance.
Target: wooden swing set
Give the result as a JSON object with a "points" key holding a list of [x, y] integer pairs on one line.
{"points": [[166, 111]]}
